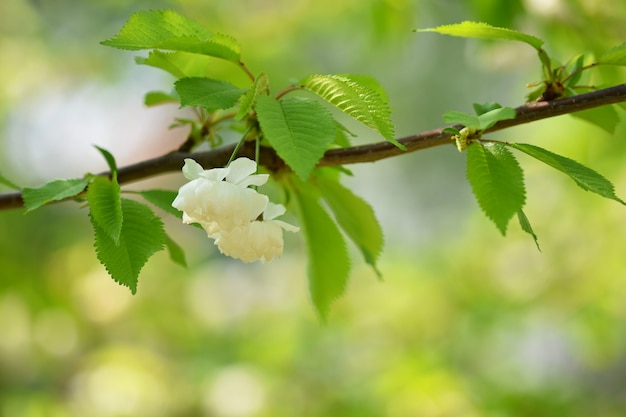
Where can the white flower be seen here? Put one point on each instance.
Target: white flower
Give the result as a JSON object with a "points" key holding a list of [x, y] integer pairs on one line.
{"points": [[219, 199], [239, 218], [258, 240]]}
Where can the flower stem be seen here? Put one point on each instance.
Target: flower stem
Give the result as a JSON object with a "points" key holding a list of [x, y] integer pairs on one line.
{"points": [[236, 150]]}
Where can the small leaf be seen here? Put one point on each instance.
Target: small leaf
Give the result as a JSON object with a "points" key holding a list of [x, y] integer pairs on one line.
{"points": [[465, 119], [177, 254], [356, 218], [179, 64], [300, 130], [481, 30], [574, 67], [329, 264], [482, 108], [110, 160], [163, 199], [208, 93], [52, 191], [486, 120], [166, 29], [497, 182], [525, 225], [141, 236], [5, 181], [614, 56], [605, 117], [247, 101], [358, 99], [585, 177], [154, 98], [105, 207]]}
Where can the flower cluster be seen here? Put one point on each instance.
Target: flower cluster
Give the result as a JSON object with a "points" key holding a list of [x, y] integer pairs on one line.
{"points": [[239, 218]]}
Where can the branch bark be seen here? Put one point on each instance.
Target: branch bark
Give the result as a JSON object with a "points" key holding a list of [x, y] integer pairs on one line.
{"points": [[527, 113]]}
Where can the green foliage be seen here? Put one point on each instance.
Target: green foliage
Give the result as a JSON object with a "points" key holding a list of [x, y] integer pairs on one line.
{"points": [[481, 122], [586, 178], [140, 237], [497, 181], [154, 98], [166, 29], [247, 101], [614, 56], [526, 227], [179, 64], [5, 181], [328, 262], [105, 206], [110, 161], [177, 254], [52, 191], [208, 93], [356, 98], [356, 218], [300, 130], [162, 199]]}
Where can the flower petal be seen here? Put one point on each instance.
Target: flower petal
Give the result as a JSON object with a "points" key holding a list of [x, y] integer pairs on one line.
{"points": [[240, 168], [192, 169], [273, 210], [288, 227]]}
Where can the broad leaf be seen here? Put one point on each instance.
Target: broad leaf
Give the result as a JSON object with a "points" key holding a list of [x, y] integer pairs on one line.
{"points": [[52, 191], [586, 178], [614, 56], [465, 119], [329, 264], [356, 218], [299, 129], [482, 30], [525, 225], [7, 182], [110, 160], [490, 118], [179, 64], [154, 98], [105, 207], [497, 181], [246, 101], [141, 236], [356, 98], [177, 254], [605, 117], [166, 29], [482, 108], [208, 93], [163, 199]]}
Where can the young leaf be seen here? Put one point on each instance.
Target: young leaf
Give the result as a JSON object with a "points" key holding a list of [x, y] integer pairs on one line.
{"points": [[179, 64], [166, 29], [482, 108], [490, 118], [329, 264], [465, 119], [525, 225], [586, 178], [208, 93], [355, 217], [5, 181], [357, 99], [605, 117], [110, 160], [299, 129], [497, 181], [154, 98], [614, 56], [52, 191], [177, 254], [105, 207], [141, 236], [246, 101], [482, 30], [163, 199]]}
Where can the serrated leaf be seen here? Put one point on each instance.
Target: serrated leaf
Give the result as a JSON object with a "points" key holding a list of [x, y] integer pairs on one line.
{"points": [[328, 261], [177, 254], [105, 207], [457, 117], [163, 199], [179, 64], [526, 227], [52, 191], [299, 129], [614, 56], [247, 101], [497, 181], [490, 118], [357, 99], [166, 29], [108, 156], [7, 182], [585, 177], [482, 30], [208, 93], [356, 217], [155, 98], [141, 236], [605, 117]]}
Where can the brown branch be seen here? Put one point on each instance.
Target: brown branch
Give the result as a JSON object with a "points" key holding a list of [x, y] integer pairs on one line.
{"points": [[527, 113]]}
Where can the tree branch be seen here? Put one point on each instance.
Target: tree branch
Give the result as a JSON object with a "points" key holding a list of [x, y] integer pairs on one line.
{"points": [[527, 113]]}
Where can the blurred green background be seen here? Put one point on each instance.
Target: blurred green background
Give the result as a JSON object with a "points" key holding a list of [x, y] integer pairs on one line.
{"points": [[466, 322]]}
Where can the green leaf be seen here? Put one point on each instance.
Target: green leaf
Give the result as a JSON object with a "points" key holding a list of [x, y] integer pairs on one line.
{"points": [[5, 181], [179, 64], [356, 98], [497, 181], [141, 236], [163, 199], [166, 29], [154, 98], [208, 93], [585, 177], [490, 118], [605, 117], [482, 108], [525, 225], [465, 119], [299, 129], [482, 30], [356, 217], [614, 56], [177, 254], [105, 207], [329, 264], [52, 191], [110, 160], [247, 101]]}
